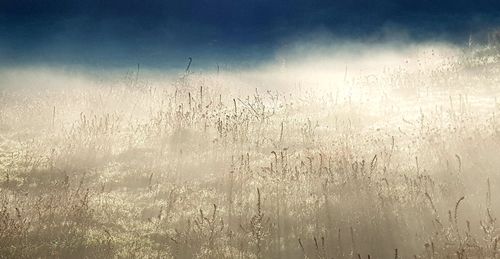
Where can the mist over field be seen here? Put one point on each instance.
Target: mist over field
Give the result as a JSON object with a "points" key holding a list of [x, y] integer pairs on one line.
{"points": [[257, 129]]}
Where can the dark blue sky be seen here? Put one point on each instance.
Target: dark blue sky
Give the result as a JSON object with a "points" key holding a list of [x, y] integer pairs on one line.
{"points": [[165, 32]]}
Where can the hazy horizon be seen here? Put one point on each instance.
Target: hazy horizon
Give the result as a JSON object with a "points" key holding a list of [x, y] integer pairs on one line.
{"points": [[163, 34]]}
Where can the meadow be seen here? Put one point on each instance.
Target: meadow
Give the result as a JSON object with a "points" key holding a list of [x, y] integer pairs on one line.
{"points": [[397, 161]]}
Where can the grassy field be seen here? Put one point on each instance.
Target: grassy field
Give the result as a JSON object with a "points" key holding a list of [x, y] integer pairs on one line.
{"points": [[399, 163]]}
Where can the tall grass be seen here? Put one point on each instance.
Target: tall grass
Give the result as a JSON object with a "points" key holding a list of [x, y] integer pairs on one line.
{"points": [[400, 165]]}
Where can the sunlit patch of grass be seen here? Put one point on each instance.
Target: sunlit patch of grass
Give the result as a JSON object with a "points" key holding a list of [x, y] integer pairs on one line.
{"points": [[397, 164]]}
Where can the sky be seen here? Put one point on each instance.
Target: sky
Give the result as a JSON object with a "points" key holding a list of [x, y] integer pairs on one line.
{"points": [[163, 33]]}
